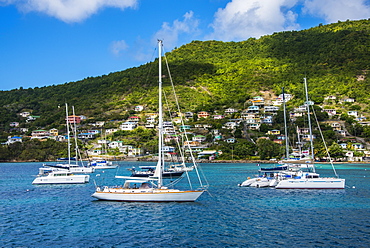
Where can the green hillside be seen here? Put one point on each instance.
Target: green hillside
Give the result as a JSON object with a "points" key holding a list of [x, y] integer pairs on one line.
{"points": [[212, 75]]}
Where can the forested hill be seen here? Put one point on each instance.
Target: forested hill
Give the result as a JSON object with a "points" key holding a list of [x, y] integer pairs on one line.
{"points": [[212, 75]]}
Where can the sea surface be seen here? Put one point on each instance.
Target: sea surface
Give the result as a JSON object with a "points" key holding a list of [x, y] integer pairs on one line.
{"points": [[226, 216]]}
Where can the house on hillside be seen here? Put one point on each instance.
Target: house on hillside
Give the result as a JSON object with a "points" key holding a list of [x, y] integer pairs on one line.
{"points": [[350, 100], [258, 101], [230, 111], [128, 126], [330, 112], [84, 136], [199, 138], [40, 134], [24, 114], [139, 108], [32, 118], [273, 132], [230, 140], [253, 109], [254, 126], [272, 109], [73, 119], [14, 124], [330, 98], [188, 115], [352, 113], [134, 119], [54, 132], [13, 139], [203, 114], [218, 117]]}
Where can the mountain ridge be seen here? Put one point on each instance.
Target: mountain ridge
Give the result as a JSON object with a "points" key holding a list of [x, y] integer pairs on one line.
{"points": [[212, 75]]}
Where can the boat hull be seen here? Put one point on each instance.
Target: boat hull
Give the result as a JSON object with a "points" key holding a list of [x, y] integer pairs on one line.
{"points": [[154, 195], [76, 179], [165, 175], [73, 169], [315, 183], [101, 167]]}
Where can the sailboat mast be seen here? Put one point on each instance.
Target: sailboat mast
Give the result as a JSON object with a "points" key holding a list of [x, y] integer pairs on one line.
{"points": [[75, 133], [285, 127], [160, 123], [68, 137], [308, 103]]}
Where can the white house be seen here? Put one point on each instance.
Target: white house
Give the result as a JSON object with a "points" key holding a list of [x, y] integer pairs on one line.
{"points": [[168, 149], [40, 134], [230, 125], [271, 108], [86, 136], [199, 138], [352, 113], [115, 144], [230, 140], [111, 130], [231, 111], [14, 139], [24, 114], [139, 108], [128, 126]]}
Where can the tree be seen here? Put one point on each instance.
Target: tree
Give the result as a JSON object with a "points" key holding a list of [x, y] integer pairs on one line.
{"points": [[244, 149], [336, 151], [268, 149]]}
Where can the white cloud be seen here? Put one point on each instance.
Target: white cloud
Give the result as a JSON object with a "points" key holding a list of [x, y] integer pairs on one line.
{"points": [[335, 10], [118, 47], [69, 10], [242, 19], [170, 34]]}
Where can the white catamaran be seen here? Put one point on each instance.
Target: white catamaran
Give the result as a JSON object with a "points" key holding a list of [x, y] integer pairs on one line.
{"points": [[152, 188], [71, 167], [310, 179]]}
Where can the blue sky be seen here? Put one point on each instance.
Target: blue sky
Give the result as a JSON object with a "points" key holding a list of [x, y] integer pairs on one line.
{"points": [[46, 42]]}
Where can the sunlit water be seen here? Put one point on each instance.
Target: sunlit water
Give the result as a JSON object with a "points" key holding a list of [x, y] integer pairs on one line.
{"points": [[229, 216]]}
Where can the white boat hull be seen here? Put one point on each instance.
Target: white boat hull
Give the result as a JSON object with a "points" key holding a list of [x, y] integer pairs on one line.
{"points": [[72, 168], [101, 167], [311, 183], [81, 169], [75, 179], [261, 183], [148, 195]]}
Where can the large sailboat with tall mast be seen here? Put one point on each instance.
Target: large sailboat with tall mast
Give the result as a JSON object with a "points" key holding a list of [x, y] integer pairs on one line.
{"points": [[308, 178], [73, 162], [152, 188]]}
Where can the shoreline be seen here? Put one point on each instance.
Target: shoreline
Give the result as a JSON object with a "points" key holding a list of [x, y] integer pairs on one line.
{"points": [[138, 159]]}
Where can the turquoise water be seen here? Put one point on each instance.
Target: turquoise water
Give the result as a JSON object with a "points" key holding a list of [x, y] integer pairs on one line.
{"points": [[229, 216]]}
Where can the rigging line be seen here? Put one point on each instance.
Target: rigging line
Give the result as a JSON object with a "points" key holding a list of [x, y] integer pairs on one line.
{"points": [[150, 65], [326, 147], [177, 141], [182, 123]]}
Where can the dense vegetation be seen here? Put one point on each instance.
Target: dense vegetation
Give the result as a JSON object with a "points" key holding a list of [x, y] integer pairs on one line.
{"points": [[211, 76]]}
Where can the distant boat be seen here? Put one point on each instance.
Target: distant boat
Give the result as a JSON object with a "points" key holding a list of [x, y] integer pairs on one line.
{"points": [[151, 188], [174, 171], [55, 176], [100, 164]]}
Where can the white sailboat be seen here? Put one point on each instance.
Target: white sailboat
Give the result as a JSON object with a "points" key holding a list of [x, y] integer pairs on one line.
{"points": [[310, 179], [150, 189], [71, 167]]}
